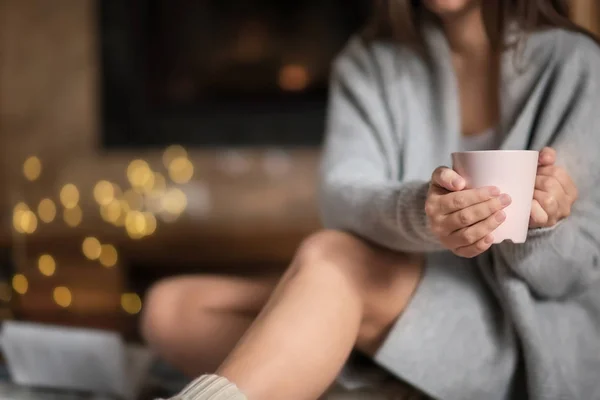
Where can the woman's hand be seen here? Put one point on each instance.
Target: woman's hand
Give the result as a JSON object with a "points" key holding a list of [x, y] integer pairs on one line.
{"points": [[463, 219], [554, 193]]}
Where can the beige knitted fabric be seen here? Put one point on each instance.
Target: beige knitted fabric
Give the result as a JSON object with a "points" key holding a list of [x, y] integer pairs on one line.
{"points": [[210, 387]]}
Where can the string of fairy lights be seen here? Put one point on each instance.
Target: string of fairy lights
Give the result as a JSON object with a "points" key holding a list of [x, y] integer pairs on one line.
{"points": [[149, 197]]}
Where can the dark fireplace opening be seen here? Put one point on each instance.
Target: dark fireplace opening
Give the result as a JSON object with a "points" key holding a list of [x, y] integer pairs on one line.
{"points": [[213, 73]]}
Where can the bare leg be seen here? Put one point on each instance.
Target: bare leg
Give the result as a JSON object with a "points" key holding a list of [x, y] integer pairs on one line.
{"points": [[193, 322], [338, 292]]}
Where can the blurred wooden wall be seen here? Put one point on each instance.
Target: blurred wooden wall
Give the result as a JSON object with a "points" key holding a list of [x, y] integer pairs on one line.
{"points": [[48, 71], [587, 14]]}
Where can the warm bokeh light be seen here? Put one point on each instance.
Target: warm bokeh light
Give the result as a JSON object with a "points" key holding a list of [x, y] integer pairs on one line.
{"points": [[148, 186], [72, 216], [108, 255], [181, 170], [69, 196], [91, 248], [173, 152], [135, 224], [62, 296], [104, 192], [46, 265], [20, 283], [32, 168], [47, 210], [121, 220], [111, 212], [134, 200], [168, 218], [160, 184], [125, 205], [138, 173], [293, 78], [24, 220], [20, 207], [131, 303], [153, 202], [174, 201], [150, 223], [5, 292], [118, 192], [17, 214]]}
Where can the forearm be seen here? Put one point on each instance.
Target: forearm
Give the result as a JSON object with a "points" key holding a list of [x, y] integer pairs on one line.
{"points": [[390, 214]]}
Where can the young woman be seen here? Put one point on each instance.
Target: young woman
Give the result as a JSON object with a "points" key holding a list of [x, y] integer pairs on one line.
{"points": [[406, 272]]}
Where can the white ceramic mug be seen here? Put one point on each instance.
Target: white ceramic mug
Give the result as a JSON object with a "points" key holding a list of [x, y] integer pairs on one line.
{"points": [[513, 172]]}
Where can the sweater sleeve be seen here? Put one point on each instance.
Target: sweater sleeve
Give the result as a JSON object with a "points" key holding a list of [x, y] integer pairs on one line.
{"points": [[565, 260], [559, 262], [359, 191]]}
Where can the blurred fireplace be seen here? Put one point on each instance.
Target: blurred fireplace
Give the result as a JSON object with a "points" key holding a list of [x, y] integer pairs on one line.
{"points": [[213, 73]]}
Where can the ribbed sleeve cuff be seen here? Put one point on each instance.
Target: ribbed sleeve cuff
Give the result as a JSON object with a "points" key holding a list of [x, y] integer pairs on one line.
{"points": [[210, 387], [412, 218], [516, 252]]}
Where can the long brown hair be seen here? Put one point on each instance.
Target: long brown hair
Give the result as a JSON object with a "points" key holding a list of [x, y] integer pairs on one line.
{"points": [[401, 20]]}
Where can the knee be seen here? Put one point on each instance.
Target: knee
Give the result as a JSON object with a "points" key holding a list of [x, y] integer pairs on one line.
{"points": [[380, 280], [162, 306], [330, 255], [326, 247]]}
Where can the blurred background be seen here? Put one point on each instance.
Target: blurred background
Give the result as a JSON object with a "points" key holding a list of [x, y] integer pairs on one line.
{"points": [[146, 138]]}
